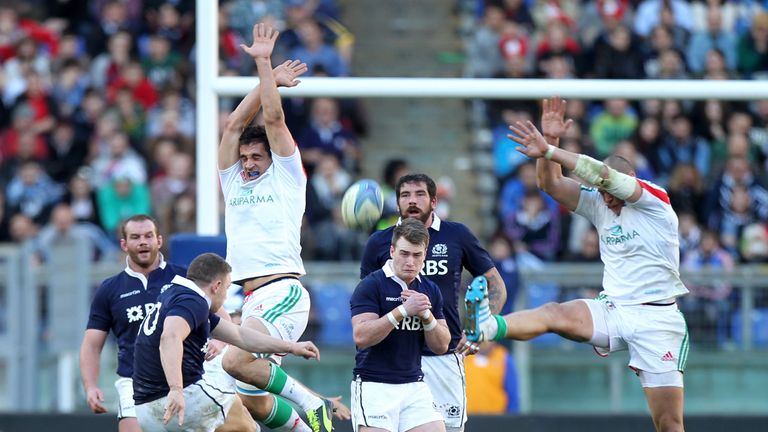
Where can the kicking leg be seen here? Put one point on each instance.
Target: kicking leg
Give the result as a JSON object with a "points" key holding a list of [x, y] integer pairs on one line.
{"points": [[571, 320]]}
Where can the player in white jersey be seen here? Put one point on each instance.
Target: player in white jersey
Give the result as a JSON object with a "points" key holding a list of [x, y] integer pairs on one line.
{"points": [[638, 245], [264, 186]]}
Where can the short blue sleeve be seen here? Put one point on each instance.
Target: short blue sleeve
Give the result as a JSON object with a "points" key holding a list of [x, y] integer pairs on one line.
{"points": [[365, 297], [476, 259], [214, 319], [100, 317], [195, 311]]}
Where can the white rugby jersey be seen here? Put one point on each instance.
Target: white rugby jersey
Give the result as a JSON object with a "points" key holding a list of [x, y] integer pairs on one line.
{"points": [[263, 218], [639, 247]]}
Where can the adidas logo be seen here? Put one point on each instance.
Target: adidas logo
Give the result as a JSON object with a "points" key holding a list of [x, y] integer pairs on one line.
{"points": [[668, 356]]}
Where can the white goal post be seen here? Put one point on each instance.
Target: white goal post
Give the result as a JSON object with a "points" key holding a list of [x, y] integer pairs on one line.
{"points": [[210, 86]]}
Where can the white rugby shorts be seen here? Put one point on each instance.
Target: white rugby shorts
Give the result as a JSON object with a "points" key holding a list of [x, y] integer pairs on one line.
{"points": [[394, 407], [656, 336], [125, 404], [283, 307], [444, 374], [205, 409]]}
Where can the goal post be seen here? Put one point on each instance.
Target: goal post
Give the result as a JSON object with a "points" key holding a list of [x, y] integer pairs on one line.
{"points": [[210, 87]]}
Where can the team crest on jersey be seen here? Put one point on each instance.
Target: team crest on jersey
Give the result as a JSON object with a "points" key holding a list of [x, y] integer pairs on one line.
{"points": [[616, 235], [439, 249], [135, 313]]}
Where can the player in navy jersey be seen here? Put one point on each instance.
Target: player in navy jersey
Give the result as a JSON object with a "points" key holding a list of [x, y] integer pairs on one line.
{"points": [[168, 378], [452, 248], [119, 306], [395, 315]]}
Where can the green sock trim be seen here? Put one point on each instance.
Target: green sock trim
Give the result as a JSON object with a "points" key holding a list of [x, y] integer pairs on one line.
{"points": [[281, 413], [501, 333], [277, 379]]}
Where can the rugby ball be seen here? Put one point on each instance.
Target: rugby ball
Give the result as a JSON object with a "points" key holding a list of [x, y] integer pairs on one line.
{"points": [[362, 205]]}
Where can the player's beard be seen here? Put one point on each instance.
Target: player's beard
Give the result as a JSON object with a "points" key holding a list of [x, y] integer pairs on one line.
{"points": [[147, 262], [421, 215]]}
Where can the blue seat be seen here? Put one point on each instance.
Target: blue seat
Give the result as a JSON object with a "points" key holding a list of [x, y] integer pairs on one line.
{"points": [[759, 327], [184, 247], [331, 304]]}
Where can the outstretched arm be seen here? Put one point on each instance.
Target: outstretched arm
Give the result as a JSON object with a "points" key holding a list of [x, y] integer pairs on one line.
{"points": [[285, 76], [534, 145], [549, 175], [280, 139]]}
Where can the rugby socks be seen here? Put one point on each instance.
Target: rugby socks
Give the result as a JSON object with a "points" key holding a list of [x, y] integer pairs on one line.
{"points": [[281, 384], [284, 418], [492, 326]]}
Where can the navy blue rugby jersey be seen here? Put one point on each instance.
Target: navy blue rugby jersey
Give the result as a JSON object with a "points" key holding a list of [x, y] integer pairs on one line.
{"points": [[452, 247], [122, 301], [397, 358], [184, 299]]}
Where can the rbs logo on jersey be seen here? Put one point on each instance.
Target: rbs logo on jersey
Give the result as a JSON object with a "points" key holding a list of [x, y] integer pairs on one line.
{"points": [[432, 267], [409, 323]]}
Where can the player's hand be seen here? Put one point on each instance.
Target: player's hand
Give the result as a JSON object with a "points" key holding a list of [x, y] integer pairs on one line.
{"points": [[553, 123], [264, 38], [465, 347], [533, 143], [95, 398], [308, 350], [285, 74], [340, 411], [174, 406], [416, 303], [215, 347]]}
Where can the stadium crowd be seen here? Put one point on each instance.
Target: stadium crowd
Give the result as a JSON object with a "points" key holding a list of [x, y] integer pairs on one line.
{"points": [[97, 114]]}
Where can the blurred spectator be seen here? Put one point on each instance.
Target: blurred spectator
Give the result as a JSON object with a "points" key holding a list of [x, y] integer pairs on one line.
{"points": [[515, 188], [736, 216], [32, 192], [175, 113], [242, 14], [556, 43], [162, 65], [165, 189], [22, 229], [708, 303], [503, 255], [689, 231], [535, 224], [5, 217], [112, 17], [517, 11], [738, 174], [393, 170], [67, 153], [714, 37], [314, 51], [612, 125], [133, 79], [13, 30], [618, 56], [182, 218], [484, 55], [507, 160], [546, 12], [628, 150], [326, 133], [710, 118], [753, 48], [42, 106], [650, 13], [130, 115], [491, 381], [82, 199], [26, 62], [119, 199], [106, 67], [121, 162], [660, 41], [686, 190], [63, 225], [753, 245], [680, 145], [69, 87]]}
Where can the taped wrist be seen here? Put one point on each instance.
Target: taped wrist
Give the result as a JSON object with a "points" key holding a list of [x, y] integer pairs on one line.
{"points": [[618, 184], [431, 325], [589, 169]]}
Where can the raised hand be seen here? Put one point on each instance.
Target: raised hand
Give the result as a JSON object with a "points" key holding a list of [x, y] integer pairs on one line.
{"points": [[533, 143], [308, 350], [286, 73], [264, 38], [553, 123]]}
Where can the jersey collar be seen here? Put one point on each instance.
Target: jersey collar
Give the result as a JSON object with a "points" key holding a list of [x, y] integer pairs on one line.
{"points": [[390, 273], [435, 222], [140, 276], [180, 280]]}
